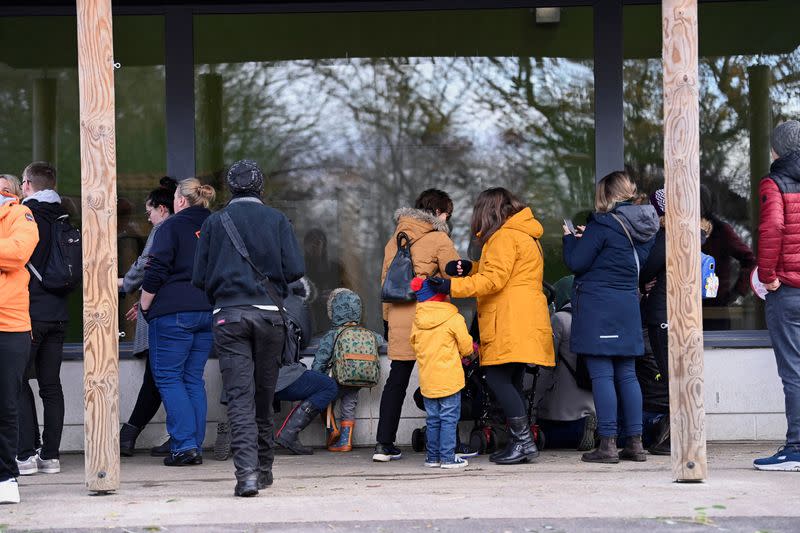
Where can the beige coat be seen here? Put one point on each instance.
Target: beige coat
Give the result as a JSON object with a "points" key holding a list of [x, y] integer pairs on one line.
{"points": [[431, 250]]}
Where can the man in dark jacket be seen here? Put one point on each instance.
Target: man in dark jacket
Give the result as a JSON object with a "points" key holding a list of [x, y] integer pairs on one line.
{"points": [[779, 270], [48, 323], [248, 329]]}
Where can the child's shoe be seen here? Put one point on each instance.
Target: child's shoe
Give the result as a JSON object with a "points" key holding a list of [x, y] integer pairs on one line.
{"points": [[432, 462], [345, 442], [465, 451], [458, 462]]}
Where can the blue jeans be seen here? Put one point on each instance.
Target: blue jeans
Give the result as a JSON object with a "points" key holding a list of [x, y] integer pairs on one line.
{"points": [[783, 322], [442, 426], [612, 376], [179, 348], [313, 386]]}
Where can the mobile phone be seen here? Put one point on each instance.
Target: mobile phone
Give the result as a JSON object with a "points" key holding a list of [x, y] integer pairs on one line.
{"points": [[570, 226]]}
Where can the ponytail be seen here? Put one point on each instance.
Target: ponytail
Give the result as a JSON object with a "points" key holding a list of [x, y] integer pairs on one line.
{"points": [[196, 193]]}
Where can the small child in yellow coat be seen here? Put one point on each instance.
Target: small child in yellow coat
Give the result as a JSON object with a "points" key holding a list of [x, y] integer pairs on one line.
{"points": [[440, 337]]}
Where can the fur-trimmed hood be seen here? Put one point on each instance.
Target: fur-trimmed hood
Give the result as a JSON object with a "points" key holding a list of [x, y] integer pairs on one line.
{"points": [[408, 216]]}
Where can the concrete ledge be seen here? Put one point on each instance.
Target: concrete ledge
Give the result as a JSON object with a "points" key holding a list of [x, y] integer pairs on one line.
{"points": [[743, 400]]}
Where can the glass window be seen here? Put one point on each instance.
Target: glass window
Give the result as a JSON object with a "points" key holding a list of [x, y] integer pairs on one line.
{"points": [[39, 120], [749, 59], [353, 115]]}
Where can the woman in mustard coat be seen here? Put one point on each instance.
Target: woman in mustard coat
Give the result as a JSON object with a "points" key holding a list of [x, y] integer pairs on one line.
{"points": [[513, 318]]}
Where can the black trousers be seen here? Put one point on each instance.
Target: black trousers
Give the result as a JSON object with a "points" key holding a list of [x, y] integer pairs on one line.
{"points": [[46, 354], [506, 382], [14, 351], [249, 344], [148, 401], [659, 341], [394, 393]]}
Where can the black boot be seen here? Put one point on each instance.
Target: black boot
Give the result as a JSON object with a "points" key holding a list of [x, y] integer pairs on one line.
{"points": [[633, 450], [162, 450], [264, 479], [127, 439], [247, 486], [606, 452], [502, 451], [661, 443], [523, 448], [298, 419]]}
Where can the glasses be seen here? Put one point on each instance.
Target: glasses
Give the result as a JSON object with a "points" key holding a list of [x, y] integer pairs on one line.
{"points": [[148, 212], [25, 181]]}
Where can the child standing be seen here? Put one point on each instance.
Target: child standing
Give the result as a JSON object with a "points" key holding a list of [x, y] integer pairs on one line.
{"points": [[344, 310], [440, 338]]}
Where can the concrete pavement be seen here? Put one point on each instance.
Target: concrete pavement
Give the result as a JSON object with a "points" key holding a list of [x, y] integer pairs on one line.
{"points": [[348, 491]]}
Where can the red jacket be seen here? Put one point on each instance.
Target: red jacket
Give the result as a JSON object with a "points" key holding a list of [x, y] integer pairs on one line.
{"points": [[779, 222]]}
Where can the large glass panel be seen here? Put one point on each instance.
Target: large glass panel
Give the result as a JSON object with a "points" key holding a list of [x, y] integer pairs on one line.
{"points": [[749, 59], [353, 115], [39, 119]]}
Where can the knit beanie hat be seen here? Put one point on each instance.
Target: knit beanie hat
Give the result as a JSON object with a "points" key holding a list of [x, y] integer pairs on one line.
{"points": [[424, 292], [786, 138], [658, 200], [245, 177]]}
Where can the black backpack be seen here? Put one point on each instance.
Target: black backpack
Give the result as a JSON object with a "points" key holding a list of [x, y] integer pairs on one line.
{"points": [[63, 269]]}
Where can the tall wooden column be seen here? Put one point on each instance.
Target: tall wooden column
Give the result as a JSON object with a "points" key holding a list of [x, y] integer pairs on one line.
{"points": [[682, 184], [99, 206]]}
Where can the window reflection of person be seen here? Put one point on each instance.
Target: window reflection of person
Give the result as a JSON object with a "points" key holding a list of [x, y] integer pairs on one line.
{"points": [[325, 275], [725, 246]]}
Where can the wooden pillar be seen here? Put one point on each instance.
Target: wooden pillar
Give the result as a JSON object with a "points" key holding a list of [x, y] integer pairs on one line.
{"points": [[682, 184], [44, 120], [99, 206]]}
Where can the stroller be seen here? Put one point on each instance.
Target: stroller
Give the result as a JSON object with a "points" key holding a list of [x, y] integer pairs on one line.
{"points": [[478, 404]]}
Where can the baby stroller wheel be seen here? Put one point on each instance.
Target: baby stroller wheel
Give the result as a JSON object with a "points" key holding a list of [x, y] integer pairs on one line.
{"points": [[538, 436], [418, 439], [478, 441]]}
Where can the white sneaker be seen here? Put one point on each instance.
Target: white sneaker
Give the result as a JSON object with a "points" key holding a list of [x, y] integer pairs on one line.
{"points": [[48, 466], [458, 463], [9, 491], [433, 464], [28, 467]]}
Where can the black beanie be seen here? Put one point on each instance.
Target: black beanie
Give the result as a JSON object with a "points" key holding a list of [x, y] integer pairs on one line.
{"points": [[245, 177]]}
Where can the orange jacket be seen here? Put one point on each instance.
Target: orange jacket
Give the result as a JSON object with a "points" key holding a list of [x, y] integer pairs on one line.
{"points": [[18, 238]]}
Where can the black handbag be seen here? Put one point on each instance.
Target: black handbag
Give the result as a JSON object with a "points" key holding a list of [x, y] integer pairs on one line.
{"points": [[397, 283]]}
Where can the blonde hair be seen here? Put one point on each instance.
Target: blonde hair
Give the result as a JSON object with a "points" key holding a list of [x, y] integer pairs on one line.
{"points": [[612, 189], [196, 193], [16, 188]]}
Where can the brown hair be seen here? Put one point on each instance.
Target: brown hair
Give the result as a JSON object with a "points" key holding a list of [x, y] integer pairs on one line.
{"points": [[612, 189], [492, 208], [41, 174], [16, 188], [196, 193], [434, 202]]}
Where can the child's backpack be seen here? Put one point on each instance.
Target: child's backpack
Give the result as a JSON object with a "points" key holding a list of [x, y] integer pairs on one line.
{"points": [[710, 281], [63, 269], [355, 358]]}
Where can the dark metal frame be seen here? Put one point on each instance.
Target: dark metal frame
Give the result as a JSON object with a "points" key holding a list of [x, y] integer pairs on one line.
{"points": [[180, 90]]}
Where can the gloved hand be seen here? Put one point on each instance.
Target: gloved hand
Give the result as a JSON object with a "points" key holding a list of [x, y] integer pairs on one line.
{"points": [[452, 268], [440, 285]]}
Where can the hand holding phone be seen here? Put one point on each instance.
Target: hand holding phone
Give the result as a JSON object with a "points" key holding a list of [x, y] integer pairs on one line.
{"points": [[569, 227]]}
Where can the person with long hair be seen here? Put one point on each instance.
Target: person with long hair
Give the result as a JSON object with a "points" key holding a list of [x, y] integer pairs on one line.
{"points": [[179, 318], [159, 206], [431, 249], [9, 184], [513, 318], [605, 256]]}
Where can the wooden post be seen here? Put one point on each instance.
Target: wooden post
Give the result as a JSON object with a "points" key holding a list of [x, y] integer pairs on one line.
{"points": [[682, 184], [99, 205]]}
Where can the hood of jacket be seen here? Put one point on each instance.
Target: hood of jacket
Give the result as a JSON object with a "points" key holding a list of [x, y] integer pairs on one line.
{"points": [[344, 306], [430, 315], [641, 221], [45, 204], [525, 222], [787, 166], [8, 199], [415, 223]]}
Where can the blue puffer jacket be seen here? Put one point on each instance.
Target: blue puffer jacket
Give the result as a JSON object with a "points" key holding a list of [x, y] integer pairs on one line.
{"points": [[606, 319]]}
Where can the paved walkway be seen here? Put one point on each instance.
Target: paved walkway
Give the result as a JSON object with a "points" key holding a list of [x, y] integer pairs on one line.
{"points": [[337, 492]]}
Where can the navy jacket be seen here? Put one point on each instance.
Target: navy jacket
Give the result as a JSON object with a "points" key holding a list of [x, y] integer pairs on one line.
{"points": [[605, 299], [168, 273], [225, 276]]}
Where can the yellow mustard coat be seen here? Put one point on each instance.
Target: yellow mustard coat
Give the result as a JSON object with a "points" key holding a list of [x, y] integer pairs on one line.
{"points": [[439, 337], [513, 318]]}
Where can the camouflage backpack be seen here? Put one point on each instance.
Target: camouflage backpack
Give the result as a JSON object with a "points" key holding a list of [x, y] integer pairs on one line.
{"points": [[355, 358]]}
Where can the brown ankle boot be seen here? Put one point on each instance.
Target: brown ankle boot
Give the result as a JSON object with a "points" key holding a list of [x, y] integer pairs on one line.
{"points": [[633, 450], [606, 452]]}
